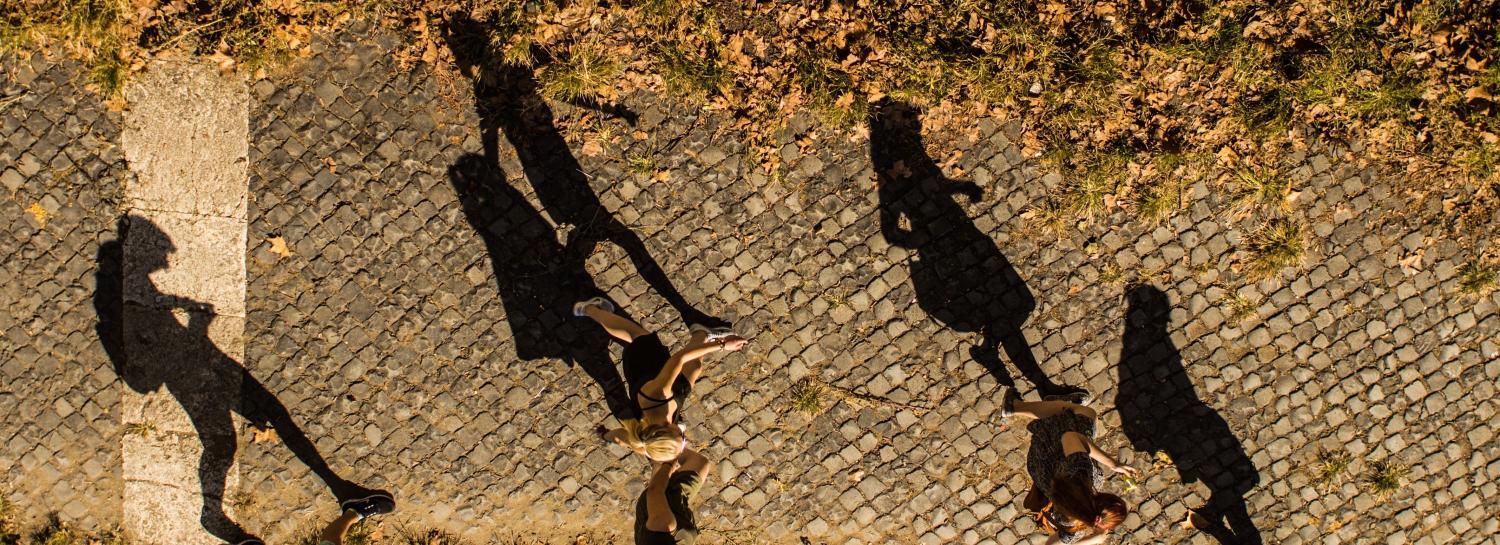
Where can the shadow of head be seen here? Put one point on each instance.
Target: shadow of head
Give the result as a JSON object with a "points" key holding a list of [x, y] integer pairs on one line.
{"points": [[1148, 307], [150, 252], [150, 247], [895, 132]]}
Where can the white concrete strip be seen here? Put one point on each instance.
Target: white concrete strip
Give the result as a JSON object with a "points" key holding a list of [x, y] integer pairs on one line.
{"points": [[186, 139]]}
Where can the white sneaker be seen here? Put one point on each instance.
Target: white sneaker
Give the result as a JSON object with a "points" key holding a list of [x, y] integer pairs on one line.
{"points": [[579, 307], [711, 333]]}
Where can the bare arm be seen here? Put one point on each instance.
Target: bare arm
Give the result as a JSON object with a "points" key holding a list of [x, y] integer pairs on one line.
{"points": [[659, 517], [661, 386], [1074, 442]]}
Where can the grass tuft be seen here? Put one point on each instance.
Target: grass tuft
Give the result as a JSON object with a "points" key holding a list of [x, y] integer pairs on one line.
{"points": [[585, 71], [1330, 468], [1261, 188], [1239, 307], [1477, 278], [1275, 247], [1386, 478], [807, 397], [641, 165], [429, 537]]}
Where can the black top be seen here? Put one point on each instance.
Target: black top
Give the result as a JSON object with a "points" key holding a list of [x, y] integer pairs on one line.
{"points": [[681, 487], [643, 359]]}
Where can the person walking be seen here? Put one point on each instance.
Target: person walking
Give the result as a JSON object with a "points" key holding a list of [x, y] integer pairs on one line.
{"points": [[659, 381], [664, 514], [1064, 466]]}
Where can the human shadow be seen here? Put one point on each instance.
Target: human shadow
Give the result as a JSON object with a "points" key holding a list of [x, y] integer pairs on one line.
{"points": [[960, 276], [508, 103], [1160, 411], [537, 282], [151, 349]]}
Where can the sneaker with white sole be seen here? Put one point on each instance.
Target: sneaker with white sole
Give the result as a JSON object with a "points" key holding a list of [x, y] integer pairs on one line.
{"points": [[1080, 397], [372, 505], [1008, 400], [581, 306], [711, 333]]}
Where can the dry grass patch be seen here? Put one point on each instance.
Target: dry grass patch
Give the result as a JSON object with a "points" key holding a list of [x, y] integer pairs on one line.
{"points": [[1278, 245]]}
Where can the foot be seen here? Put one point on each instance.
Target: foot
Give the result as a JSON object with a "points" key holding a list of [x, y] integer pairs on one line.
{"points": [[581, 306], [711, 334], [372, 505], [1008, 401], [1077, 397], [251, 541]]}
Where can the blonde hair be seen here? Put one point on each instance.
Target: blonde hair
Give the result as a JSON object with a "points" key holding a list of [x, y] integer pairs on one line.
{"points": [[656, 442]]}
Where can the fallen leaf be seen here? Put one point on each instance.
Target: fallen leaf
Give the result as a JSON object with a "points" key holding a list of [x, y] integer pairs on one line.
{"points": [[39, 213], [263, 435], [1187, 521], [332, 165], [592, 148], [1412, 264], [278, 246]]}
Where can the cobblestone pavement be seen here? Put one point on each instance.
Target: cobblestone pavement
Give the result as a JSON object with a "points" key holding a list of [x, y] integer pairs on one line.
{"points": [[420, 364], [60, 176]]}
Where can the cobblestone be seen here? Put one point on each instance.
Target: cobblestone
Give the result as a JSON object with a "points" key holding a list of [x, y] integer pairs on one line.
{"points": [[390, 330], [60, 435]]}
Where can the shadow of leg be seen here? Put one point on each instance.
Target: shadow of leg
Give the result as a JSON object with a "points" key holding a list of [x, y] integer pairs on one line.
{"points": [[259, 406], [1019, 353], [1233, 519], [218, 437], [987, 353], [647, 267]]}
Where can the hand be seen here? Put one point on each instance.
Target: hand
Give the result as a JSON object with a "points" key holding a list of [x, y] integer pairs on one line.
{"points": [[1127, 471], [733, 343]]}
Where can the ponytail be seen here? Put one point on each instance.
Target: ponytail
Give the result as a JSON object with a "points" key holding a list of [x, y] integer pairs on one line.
{"points": [[654, 442]]}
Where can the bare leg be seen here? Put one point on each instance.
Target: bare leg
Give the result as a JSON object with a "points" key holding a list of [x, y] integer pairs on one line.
{"points": [[1044, 409], [335, 531], [693, 369], [617, 326]]}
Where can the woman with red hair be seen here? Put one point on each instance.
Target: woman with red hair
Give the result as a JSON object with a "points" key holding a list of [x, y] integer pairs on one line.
{"points": [[1065, 496]]}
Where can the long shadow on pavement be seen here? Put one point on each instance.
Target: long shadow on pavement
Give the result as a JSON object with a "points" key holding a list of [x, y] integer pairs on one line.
{"points": [[961, 278], [508, 103], [537, 282], [1160, 411], [150, 349]]}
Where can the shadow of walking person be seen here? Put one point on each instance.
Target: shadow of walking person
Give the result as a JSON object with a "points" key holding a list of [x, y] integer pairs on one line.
{"points": [[537, 282], [150, 349], [1160, 411], [507, 102], [960, 276]]}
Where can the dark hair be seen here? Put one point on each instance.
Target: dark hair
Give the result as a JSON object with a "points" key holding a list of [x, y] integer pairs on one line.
{"points": [[1082, 508]]}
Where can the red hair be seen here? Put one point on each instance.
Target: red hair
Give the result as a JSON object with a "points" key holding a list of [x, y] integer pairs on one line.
{"points": [[1078, 503]]}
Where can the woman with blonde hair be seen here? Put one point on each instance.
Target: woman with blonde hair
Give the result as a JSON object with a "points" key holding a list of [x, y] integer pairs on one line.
{"points": [[659, 381], [1065, 496]]}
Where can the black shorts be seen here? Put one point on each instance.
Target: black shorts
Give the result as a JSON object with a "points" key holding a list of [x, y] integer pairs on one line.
{"points": [[643, 359]]}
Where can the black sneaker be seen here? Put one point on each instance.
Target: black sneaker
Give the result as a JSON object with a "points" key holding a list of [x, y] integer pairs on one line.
{"points": [[1008, 400], [369, 506]]}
